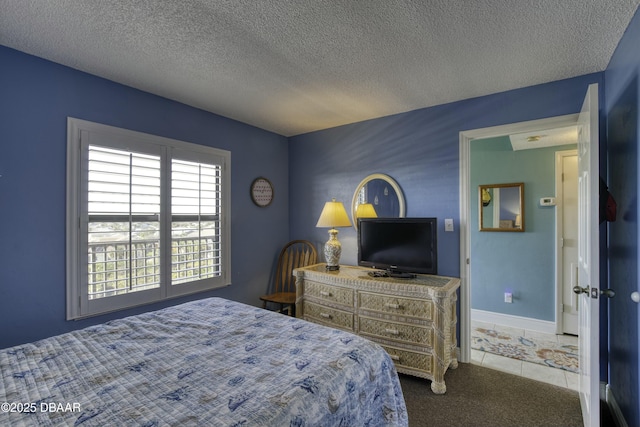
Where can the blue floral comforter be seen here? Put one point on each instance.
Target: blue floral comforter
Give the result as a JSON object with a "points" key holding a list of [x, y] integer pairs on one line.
{"points": [[212, 362]]}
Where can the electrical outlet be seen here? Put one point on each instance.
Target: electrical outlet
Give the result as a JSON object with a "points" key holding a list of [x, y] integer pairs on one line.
{"points": [[508, 297]]}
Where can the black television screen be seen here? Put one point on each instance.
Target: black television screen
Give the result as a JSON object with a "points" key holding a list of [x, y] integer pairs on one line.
{"points": [[399, 245]]}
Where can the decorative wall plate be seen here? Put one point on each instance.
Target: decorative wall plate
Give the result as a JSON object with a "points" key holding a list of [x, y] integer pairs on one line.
{"points": [[262, 192]]}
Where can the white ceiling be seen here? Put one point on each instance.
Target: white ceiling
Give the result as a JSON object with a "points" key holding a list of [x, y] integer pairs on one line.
{"points": [[547, 138], [295, 66]]}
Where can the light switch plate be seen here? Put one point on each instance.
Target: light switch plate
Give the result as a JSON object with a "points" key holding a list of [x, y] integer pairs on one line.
{"points": [[448, 224]]}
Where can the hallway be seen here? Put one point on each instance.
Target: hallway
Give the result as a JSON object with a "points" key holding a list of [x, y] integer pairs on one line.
{"points": [[536, 371]]}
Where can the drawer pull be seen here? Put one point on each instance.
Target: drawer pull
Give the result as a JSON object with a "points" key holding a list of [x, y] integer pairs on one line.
{"points": [[325, 293], [392, 331], [325, 315], [390, 305], [394, 357]]}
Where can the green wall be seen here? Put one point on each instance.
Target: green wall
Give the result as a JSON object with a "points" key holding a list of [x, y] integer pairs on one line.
{"points": [[520, 263]]}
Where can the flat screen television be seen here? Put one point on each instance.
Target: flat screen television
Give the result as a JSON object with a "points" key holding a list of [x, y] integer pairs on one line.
{"points": [[400, 246]]}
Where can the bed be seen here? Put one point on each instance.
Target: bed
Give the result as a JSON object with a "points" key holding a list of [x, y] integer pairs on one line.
{"points": [[211, 362]]}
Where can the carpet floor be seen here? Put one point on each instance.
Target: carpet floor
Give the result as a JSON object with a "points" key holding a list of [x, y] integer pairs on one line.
{"points": [[547, 353], [478, 397]]}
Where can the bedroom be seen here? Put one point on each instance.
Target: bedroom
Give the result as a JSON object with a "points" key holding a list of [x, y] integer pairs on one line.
{"points": [[306, 170]]}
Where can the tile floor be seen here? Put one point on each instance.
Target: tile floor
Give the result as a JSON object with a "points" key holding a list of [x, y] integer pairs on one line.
{"points": [[534, 371]]}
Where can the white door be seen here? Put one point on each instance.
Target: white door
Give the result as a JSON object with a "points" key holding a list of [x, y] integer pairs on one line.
{"points": [[568, 227], [588, 258]]}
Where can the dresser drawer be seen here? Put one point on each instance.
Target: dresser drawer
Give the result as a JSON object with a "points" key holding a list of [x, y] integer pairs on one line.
{"points": [[328, 316], [396, 331], [336, 294], [420, 308], [410, 359]]}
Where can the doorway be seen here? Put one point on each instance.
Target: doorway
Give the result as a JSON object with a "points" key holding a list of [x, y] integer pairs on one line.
{"points": [[466, 138], [587, 122]]}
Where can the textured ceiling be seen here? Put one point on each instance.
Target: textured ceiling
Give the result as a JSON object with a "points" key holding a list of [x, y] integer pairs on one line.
{"points": [[295, 66]]}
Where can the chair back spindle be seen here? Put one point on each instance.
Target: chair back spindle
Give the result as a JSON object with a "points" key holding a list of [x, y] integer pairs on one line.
{"points": [[295, 254]]}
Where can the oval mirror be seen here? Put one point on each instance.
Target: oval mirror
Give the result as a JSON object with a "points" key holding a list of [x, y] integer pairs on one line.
{"points": [[377, 195]]}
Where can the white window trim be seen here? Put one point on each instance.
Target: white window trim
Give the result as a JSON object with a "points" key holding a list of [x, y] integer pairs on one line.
{"points": [[78, 305]]}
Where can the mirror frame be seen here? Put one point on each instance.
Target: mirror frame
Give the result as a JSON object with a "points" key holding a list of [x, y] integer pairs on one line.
{"points": [[520, 186], [364, 182]]}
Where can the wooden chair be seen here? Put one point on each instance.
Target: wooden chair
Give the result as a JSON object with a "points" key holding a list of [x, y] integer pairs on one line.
{"points": [[295, 254]]}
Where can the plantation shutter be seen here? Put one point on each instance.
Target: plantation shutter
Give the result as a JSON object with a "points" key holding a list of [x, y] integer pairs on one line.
{"points": [[195, 220], [123, 222]]}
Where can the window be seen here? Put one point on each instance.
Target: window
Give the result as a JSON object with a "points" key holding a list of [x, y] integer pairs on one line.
{"points": [[147, 218]]}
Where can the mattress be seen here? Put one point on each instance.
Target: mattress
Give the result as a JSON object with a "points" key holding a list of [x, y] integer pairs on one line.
{"points": [[211, 362]]}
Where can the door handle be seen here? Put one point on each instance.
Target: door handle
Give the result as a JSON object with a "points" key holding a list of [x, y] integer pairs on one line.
{"points": [[578, 290], [609, 293]]}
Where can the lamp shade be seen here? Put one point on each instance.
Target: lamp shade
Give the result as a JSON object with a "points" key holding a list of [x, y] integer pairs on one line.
{"points": [[333, 215], [486, 197], [366, 210]]}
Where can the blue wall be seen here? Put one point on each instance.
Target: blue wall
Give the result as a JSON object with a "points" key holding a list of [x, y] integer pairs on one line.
{"points": [[36, 96], [522, 263], [621, 104], [420, 150]]}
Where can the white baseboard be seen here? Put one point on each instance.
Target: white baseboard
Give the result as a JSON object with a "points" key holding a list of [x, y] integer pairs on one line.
{"points": [[511, 321], [614, 408]]}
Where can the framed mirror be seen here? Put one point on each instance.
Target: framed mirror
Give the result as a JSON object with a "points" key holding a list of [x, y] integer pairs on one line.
{"points": [[377, 195], [501, 207]]}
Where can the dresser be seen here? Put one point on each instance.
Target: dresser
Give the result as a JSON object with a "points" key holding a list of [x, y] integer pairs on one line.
{"points": [[414, 320]]}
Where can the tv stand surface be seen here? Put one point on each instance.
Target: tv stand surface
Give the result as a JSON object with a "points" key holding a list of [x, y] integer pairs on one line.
{"points": [[413, 319]]}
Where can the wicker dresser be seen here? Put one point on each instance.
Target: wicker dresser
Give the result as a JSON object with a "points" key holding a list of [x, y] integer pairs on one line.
{"points": [[414, 320]]}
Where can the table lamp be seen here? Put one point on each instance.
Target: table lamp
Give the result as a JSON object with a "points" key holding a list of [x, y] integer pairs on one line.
{"points": [[333, 215], [366, 210]]}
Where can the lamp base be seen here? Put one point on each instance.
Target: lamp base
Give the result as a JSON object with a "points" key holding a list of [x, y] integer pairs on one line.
{"points": [[332, 250]]}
